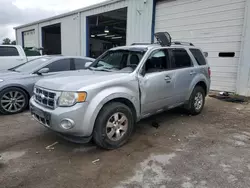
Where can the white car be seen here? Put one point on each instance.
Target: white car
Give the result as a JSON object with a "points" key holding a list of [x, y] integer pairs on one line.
{"points": [[14, 55]]}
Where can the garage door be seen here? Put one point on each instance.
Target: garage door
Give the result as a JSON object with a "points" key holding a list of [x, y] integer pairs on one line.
{"points": [[214, 25], [29, 38]]}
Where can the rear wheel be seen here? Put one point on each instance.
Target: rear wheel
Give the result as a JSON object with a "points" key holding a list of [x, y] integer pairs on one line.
{"points": [[196, 101], [113, 126], [13, 100]]}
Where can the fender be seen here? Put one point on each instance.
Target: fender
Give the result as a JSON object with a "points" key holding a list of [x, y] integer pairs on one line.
{"points": [[198, 78], [96, 103]]}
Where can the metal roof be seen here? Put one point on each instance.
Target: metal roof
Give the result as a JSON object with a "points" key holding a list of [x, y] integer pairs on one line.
{"points": [[107, 2]]}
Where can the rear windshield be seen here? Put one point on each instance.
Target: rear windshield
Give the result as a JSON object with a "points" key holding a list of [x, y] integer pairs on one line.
{"points": [[198, 56]]}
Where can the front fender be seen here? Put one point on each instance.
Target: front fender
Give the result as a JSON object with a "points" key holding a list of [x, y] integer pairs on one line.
{"points": [[97, 102]]}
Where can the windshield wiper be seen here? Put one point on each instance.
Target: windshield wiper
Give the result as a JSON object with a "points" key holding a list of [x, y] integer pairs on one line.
{"points": [[102, 69], [14, 70]]}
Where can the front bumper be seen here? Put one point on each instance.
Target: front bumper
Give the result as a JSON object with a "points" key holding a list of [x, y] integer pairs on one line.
{"points": [[52, 118]]}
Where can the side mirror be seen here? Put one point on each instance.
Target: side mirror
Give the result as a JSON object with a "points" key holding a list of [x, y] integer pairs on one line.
{"points": [[87, 64], [43, 71]]}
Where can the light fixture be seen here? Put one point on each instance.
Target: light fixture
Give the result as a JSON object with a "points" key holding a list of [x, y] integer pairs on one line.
{"points": [[109, 36], [106, 30], [92, 36], [117, 38], [100, 35]]}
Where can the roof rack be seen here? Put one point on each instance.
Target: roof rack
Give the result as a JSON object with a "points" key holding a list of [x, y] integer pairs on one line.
{"points": [[142, 44], [182, 43]]}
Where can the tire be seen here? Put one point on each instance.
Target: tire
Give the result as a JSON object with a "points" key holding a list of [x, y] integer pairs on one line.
{"points": [[13, 100], [193, 107], [108, 118]]}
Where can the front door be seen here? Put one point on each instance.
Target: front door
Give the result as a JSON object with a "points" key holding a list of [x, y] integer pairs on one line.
{"points": [[156, 83]]}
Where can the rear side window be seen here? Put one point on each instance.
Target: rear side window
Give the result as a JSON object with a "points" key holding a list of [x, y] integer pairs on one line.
{"points": [[60, 65], [180, 59], [198, 56], [8, 51]]}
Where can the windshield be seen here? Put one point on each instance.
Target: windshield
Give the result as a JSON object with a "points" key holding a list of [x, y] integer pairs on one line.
{"points": [[31, 65], [119, 60]]}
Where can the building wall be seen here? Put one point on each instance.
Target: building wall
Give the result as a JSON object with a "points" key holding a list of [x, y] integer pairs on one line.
{"points": [[139, 23], [69, 33], [19, 36], [243, 81]]}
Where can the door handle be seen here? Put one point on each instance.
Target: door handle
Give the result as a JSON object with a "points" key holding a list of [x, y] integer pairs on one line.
{"points": [[167, 79], [192, 72], [19, 59]]}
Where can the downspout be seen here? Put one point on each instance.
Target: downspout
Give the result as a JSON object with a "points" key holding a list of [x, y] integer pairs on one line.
{"points": [[87, 37], [153, 21], [80, 33]]}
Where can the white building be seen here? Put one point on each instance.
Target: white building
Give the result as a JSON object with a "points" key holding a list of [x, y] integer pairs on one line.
{"points": [[219, 27]]}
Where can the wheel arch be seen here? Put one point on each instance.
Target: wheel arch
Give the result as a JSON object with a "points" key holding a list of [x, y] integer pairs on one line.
{"points": [[19, 87], [125, 101], [99, 101]]}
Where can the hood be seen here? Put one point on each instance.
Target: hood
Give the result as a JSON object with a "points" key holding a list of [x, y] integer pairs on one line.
{"points": [[75, 80]]}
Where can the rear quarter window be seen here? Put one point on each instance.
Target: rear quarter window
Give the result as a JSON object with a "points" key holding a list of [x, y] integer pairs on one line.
{"points": [[198, 56]]}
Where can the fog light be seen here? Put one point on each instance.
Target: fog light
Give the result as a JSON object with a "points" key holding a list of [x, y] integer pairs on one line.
{"points": [[67, 124]]}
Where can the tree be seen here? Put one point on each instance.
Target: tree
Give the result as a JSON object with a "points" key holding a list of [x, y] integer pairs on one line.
{"points": [[13, 42], [6, 41]]}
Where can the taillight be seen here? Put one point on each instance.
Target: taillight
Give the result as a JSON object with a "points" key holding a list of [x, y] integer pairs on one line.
{"points": [[209, 71]]}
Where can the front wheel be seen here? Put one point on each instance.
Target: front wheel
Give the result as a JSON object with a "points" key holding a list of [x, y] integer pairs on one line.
{"points": [[113, 126], [13, 100], [196, 101]]}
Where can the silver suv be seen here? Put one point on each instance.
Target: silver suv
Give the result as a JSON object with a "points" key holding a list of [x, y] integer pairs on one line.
{"points": [[123, 86]]}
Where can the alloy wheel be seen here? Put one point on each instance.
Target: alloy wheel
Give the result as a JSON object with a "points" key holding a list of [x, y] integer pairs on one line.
{"points": [[117, 126], [13, 101]]}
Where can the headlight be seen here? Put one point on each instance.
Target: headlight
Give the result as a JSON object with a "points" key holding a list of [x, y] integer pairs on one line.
{"points": [[1, 80], [71, 98]]}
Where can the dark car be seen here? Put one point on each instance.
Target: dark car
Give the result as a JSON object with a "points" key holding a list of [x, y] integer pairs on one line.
{"points": [[16, 84]]}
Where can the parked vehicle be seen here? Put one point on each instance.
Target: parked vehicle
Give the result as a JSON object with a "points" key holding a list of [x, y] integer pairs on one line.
{"points": [[123, 86], [16, 84], [13, 55]]}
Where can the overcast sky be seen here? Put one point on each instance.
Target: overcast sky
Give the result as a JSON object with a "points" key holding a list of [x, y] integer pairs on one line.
{"points": [[18, 12]]}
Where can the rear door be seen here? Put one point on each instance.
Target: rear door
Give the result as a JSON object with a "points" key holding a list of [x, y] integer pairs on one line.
{"points": [[10, 57], [183, 68]]}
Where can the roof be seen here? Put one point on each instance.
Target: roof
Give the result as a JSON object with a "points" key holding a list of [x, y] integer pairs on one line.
{"points": [[151, 46], [144, 46], [70, 13]]}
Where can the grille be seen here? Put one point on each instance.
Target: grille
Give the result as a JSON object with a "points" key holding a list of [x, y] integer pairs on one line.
{"points": [[45, 98], [41, 120]]}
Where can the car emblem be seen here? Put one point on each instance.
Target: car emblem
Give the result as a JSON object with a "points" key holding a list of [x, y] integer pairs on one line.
{"points": [[42, 96]]}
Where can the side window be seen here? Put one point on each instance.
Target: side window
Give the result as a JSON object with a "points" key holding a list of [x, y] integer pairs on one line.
{"points": [[198, 56], [8, 51], [60, 65], [157, 62], [80, 63], [180, 59]]}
